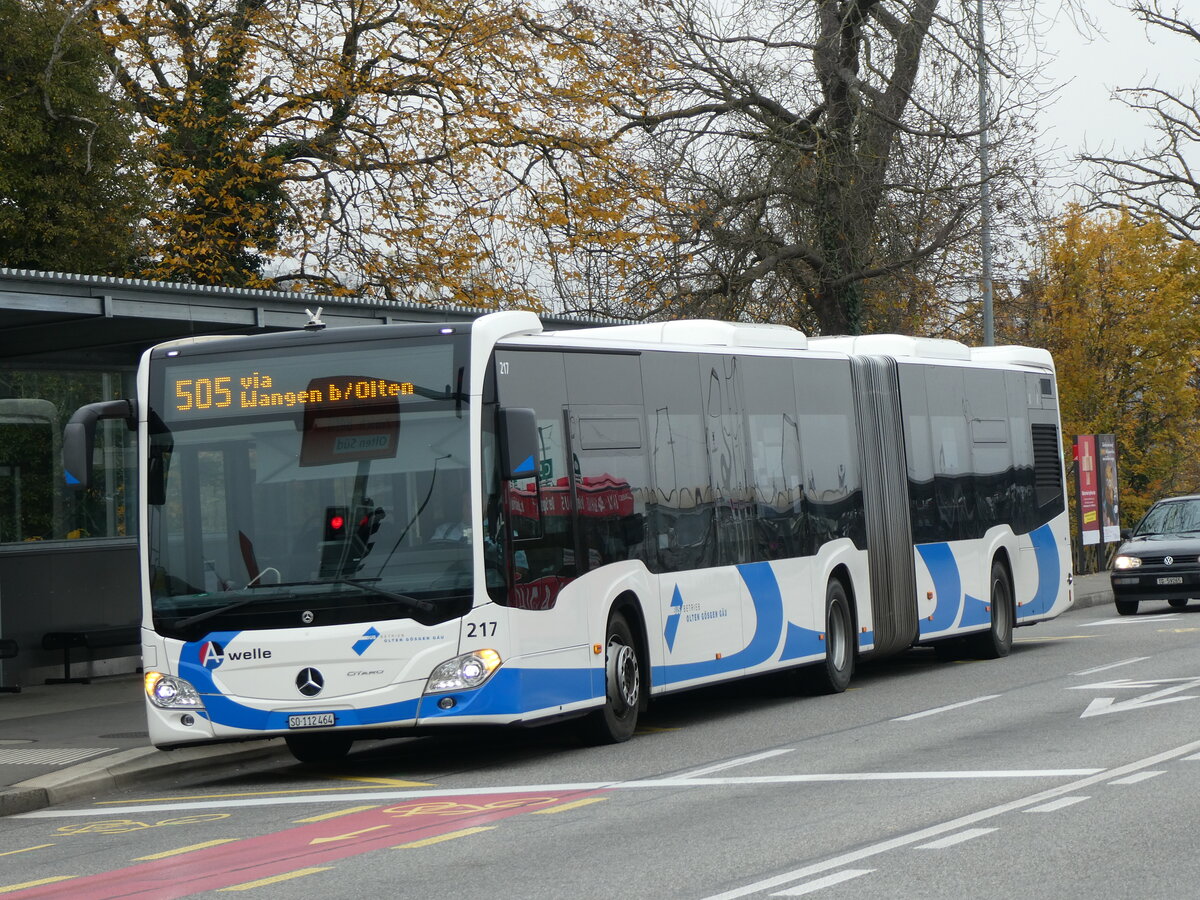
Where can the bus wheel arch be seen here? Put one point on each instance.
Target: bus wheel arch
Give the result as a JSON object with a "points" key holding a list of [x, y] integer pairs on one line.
{"points": [[626, 675]]}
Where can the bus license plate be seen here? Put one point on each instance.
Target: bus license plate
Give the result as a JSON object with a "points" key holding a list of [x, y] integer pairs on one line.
{"points": [[1171, 579], [314, 720]]}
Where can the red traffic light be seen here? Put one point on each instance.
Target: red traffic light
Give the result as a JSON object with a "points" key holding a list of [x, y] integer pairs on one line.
{"points": [[337, 522]]}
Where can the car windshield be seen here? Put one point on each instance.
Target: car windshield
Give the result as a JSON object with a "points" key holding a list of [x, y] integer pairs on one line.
{"points": [[292, 500], [1171, 517]]}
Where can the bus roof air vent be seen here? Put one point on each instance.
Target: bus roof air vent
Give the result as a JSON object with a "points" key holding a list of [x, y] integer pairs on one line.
{"points": [[708, 332], [896, 345]]}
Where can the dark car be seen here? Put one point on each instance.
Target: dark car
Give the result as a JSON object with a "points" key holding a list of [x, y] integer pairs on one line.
{"points": [[1160, 558]]}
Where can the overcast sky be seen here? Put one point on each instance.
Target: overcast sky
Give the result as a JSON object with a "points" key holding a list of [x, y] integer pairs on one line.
{"points": [[1121, 53]]}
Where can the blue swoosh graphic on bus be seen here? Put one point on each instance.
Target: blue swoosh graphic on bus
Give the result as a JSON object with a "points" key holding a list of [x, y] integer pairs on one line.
{"points": [[947, 587], [1049, 572], [768, 608]]}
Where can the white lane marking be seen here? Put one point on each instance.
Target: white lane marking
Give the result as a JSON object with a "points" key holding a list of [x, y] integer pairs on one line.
{"points": [[1136, 777], [942, 709], [400, 795], [1103, 705], [1134, 620], [1193, 758], [1055, 805], [951, 840], [1130, 684], [820, 883], [745, 760], [933, 831], [1116, 665]]}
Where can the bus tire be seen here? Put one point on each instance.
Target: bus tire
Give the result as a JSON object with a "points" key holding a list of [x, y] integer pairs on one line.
{"points": [[1126, 607], [832, 675], [319, 749], [997, 641], [616, 720]]}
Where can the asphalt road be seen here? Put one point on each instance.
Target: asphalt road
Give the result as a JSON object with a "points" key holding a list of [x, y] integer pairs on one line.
{"points": [[1070, 769]]}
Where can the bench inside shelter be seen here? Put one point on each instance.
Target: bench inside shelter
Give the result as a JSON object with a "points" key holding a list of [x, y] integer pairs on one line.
{"points": [[97, 637]]}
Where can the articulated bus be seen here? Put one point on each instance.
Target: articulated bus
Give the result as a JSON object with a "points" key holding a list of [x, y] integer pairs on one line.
{"points": [[648, 508]]}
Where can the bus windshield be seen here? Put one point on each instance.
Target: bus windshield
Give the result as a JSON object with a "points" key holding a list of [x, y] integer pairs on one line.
{"points": [[294, 489]]}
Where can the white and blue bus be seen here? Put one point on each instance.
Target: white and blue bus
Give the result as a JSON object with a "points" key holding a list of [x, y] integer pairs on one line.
{"points": [[635, 510]]}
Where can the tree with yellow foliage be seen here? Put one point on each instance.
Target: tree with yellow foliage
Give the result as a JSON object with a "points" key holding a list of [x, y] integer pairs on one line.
{"points": [[426, 150], [1114, 300]]}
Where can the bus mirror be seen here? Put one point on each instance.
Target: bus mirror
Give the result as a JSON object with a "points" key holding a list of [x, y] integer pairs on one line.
{"points": [[79, 437], [518, 444]]}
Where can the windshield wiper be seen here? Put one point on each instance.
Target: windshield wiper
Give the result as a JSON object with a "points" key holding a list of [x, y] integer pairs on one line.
{"points": [[229, 607], [412, 603]]}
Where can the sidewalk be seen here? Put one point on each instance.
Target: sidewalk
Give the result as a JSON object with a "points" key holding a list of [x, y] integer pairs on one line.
{"points": [[61, 742]]}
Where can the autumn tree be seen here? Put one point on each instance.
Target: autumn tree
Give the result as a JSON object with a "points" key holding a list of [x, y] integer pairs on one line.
{"points": [[70, 199], [1114, 300], [433, 150], [1160, 180], [821, 157]]}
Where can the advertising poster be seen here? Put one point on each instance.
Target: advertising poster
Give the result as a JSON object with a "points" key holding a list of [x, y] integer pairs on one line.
{"points": [[1110, 517], [1087, 479]]}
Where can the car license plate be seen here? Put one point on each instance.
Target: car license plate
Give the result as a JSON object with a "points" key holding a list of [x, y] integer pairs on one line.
{"points": [[1171, 579], [313, 720]]}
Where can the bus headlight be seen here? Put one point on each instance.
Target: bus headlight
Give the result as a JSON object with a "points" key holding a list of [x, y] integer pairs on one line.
{"points": [[1126, 562], [463, 672], [169, 692]]}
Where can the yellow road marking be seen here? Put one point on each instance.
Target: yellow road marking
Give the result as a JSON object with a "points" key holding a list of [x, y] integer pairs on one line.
{"points": [[26, 849], [347, 835], [333, 815], [564, 807], [275, 879], [187, 849], [8, 889], [1065, 637], [324, 789], [386, 782], [449, 836]]}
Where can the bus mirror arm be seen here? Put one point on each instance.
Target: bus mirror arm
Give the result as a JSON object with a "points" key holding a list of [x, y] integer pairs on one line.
{"points": [[518, 435], [79, 437]]}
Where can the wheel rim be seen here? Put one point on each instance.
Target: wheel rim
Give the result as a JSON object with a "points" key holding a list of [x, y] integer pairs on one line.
{"points": [[1001, 620], [838, 644], [624, 680]]}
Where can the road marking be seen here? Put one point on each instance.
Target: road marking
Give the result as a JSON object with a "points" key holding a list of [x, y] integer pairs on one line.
{"points": [[449, 836], [820, 883], [347, 836], [53, 879], [180, 850], [333, 815], [1116, 665], [1055, 805], [275, 879], [384, 782], [324, 789], [745, 760], [942, 709], [1103, 705], [974, 818], [1136, 777], [584, 787], [1193, 758], [951, 840], [25, 849], [1134, 620], [587, 801]]}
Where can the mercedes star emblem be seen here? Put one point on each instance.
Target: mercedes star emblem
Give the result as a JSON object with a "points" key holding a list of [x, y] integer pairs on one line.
{"points": [[309, 682], [307, 616]]}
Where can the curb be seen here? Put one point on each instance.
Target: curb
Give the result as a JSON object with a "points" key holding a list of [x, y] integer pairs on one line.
{"points": [[124, 768]]}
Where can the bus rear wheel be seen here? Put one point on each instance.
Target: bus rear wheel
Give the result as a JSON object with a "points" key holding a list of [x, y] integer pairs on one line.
{"points": [[832, 676], [616, 720], [319, 749], [996, 642]]}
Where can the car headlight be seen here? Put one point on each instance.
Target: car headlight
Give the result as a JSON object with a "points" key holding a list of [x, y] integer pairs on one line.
{"points": [[463, 672], [169, 692], [1126, 562]]}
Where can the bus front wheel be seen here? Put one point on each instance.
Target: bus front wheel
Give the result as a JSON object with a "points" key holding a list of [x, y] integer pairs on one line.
{"points": [[616, 720]]}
